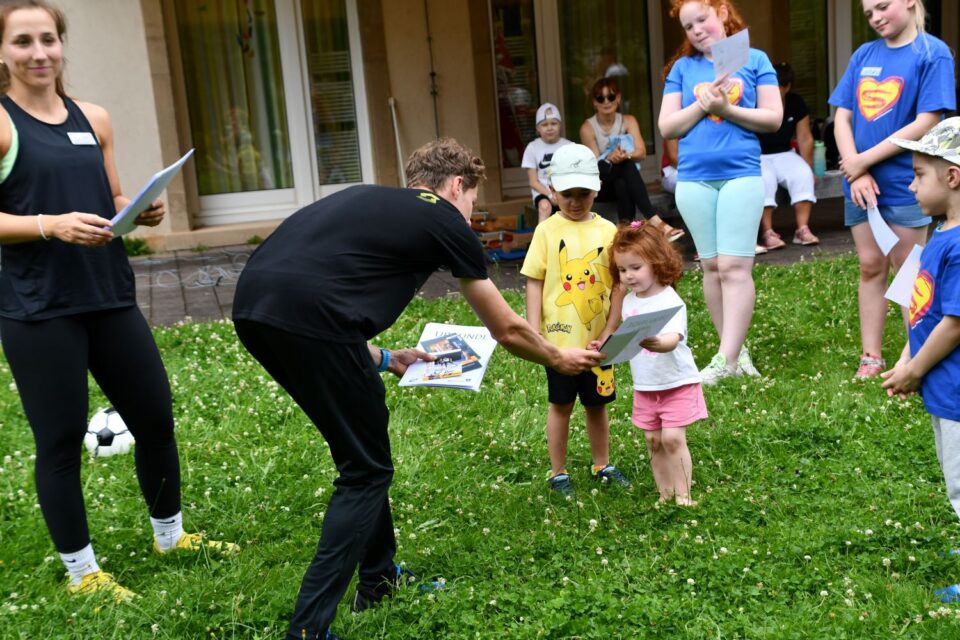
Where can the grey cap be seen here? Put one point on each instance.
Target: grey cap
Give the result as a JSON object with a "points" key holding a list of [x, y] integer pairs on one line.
{"points": [[943, 141]]}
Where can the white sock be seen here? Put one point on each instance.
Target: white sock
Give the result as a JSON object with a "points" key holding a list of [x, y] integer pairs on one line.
{"points": [[80, 563], [167, 531]]}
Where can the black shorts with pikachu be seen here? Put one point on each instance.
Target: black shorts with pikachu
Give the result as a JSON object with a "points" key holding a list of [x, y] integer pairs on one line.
{"points": [[595, 387]]}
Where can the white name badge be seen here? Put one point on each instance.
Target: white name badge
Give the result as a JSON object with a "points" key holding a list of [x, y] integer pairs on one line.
{"points": [[82, 137], [873, 72]]}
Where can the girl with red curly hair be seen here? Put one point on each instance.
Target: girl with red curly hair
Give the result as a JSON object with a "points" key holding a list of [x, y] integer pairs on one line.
{"points": [[719, 186], [667, 395]]}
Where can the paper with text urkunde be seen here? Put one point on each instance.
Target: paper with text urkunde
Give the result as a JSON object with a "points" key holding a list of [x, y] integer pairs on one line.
{"points": [[624, 343], [883, 234], [474, 347], [901, 289], [731, 54], [123, 222]]}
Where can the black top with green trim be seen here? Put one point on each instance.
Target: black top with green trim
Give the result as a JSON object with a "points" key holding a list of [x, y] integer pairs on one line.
{"points": [[53, 175], [344, 268]]}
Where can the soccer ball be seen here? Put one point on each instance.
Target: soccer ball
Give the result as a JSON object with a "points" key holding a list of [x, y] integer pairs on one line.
{"points": [[107, 435]]}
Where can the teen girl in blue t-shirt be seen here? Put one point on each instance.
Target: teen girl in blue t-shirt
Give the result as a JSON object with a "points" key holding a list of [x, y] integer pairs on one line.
{"points": [[719, 186], [896, 86]]}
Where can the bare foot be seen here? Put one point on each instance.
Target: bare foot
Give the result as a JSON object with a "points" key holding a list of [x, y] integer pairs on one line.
{"points": [[685, 501]]}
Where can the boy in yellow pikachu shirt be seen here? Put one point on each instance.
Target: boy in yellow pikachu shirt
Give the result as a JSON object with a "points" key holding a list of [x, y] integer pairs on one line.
{"points": [[568, 300]]}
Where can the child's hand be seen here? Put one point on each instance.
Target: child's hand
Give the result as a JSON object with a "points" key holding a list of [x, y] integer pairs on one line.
{"points": [[661, 344], [853, 167], [900, 381], [864, 191], [594, 345], [713, 100]]}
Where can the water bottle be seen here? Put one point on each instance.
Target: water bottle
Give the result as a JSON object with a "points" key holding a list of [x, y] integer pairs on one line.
{"points": [[819, 159]]}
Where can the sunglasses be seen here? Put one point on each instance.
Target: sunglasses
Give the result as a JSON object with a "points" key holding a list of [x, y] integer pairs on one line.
{"points": [[610, 97]]}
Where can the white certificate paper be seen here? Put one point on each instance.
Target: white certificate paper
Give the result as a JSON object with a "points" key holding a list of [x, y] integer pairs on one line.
{"points": [[884, 235], [901, 289], [624, 344], [731, 54], [123, 221]]}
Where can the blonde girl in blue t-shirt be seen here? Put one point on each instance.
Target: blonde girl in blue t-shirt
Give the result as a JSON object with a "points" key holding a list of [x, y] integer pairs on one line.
{"points": [[898, 85], [719, 184]]}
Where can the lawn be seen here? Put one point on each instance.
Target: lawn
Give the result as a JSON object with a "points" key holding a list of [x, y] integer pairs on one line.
{"points": [[822, 511]]}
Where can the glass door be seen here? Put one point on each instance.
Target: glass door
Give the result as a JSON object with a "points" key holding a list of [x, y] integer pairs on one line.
{"points": [[276, 103]]}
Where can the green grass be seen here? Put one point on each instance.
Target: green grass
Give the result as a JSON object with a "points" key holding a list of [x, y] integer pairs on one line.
{"points": [[822, 509]]}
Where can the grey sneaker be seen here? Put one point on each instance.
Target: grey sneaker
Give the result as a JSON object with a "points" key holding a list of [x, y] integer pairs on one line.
{"points": [[561, 484], [745, 364], [610, 475], [716, 370]]}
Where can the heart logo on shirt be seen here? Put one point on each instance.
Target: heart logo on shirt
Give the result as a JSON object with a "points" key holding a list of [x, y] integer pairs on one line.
{"points": [[734, 94], [877, 98]]}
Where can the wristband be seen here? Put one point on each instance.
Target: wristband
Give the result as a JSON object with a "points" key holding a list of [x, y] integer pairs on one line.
{"points": [[40, 226], [384, 360]]}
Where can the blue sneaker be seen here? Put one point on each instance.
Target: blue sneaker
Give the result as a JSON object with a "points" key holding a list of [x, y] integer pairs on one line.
{"points": [[611, 475], [949, 595], [331, 636], [403, 577], [561, 484]]}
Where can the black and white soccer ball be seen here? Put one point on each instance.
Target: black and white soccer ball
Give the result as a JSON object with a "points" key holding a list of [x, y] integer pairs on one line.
{"points": [[107, 435]]}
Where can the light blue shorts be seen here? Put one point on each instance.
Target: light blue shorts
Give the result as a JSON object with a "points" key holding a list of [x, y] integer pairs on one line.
{"points": [[904, 215], [723, 216]]}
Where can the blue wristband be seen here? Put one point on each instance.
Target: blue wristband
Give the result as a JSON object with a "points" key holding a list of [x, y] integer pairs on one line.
{"points": [[384, 360]]}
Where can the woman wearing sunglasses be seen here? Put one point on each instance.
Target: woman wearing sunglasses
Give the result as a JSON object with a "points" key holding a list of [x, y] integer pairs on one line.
{"points": [[616, 141]]}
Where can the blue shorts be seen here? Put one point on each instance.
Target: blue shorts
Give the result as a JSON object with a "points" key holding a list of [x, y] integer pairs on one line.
{"points": [[902, 215], [723, 216]]}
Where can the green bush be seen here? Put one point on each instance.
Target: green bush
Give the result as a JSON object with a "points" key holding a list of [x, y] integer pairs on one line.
{"points": [[136, 246]]}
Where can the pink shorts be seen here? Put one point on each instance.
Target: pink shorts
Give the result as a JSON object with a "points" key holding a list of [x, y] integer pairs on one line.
{"points": [[669, 408]]}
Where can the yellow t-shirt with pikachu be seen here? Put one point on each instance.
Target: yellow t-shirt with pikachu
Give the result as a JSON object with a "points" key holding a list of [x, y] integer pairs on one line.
{"points": [[571, 259]]}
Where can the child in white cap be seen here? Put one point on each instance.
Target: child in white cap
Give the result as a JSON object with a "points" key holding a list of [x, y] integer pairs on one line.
{"points": [[537, 156], [568, 300]]}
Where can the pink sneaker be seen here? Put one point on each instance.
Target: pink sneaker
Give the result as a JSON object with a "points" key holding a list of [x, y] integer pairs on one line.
{"points": [[771, 240], [871, 366], [805, 237]]}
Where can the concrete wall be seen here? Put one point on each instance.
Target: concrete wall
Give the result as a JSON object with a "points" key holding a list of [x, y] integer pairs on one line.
{"points": [[108, 64]]}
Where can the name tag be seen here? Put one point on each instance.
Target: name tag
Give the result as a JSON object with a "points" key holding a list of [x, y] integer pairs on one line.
{"points": [[873, 72], [82, 137]]}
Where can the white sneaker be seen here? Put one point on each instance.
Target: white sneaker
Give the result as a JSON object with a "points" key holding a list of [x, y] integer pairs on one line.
{"points": [[716, 370], [745, 364]]}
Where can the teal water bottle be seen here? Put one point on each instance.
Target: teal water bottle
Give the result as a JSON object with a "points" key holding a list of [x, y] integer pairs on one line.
{"points": [[819, 159]]}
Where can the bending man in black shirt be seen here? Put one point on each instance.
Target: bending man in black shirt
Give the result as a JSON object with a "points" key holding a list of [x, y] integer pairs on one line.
{"points": [[330, 278]]}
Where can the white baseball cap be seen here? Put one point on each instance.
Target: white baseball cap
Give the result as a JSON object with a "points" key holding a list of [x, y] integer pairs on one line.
{"points": [[574, 166], [547, 111]]}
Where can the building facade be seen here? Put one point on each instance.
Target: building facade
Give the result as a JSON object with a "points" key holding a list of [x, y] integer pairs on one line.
{"points": [[286, 101]]}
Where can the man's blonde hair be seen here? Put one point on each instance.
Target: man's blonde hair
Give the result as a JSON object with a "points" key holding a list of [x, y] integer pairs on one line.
{"points": [[435, 162]]}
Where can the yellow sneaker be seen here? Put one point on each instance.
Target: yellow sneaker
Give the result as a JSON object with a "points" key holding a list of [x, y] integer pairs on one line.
{"points": [[102, 582], [196, 542]]}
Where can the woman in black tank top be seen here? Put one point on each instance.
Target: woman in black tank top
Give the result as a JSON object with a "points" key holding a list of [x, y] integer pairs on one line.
{"points": [[67, 297]]}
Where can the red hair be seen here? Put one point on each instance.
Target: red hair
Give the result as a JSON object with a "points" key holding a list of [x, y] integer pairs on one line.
{"points": [[652, 245], [731, 25]]}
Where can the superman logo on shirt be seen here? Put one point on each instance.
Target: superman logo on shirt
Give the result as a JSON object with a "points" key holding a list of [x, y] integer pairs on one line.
{"points": [[922, 297], [877, 97]]}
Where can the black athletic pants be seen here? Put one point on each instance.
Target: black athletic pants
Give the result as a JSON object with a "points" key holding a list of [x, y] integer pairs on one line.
{"points": [[49, 360], [338, 387], [623, 183]]}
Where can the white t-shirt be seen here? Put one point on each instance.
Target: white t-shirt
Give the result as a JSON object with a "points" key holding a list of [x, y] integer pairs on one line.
{"points": [[537, 156], [658, 371]]}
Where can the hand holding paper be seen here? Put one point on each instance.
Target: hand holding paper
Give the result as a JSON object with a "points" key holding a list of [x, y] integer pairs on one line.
{"points": [[125, 221], [731, 54], [624, 344]]}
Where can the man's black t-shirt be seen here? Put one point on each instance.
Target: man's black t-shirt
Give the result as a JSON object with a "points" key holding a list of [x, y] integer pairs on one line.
{"points": [[345, 267], [794, 110]]}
